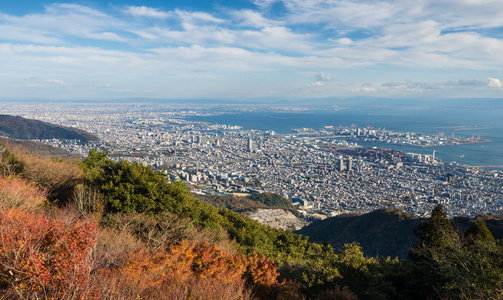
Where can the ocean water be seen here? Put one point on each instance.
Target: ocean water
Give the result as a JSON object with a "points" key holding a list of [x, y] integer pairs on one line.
{"points": [[419, 121]]}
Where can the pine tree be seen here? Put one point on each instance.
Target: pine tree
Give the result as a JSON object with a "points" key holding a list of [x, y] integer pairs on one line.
{"points": [[478, 232], [435, 235], [437, 240]]}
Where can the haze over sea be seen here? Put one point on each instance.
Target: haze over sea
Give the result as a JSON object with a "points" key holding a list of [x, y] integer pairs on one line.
{"points": [[417, 120]]}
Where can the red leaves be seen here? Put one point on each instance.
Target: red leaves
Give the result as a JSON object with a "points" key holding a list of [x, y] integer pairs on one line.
{"points": [[41, 257], [49, 257]]}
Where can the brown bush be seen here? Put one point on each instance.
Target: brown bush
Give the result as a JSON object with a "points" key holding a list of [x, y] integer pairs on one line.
{"points": [[338, 293], [58, 177], [157, 232], [113, 249], [88, 201], [18, 193], [192, 270]]}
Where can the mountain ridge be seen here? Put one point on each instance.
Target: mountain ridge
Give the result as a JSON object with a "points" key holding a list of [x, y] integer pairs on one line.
{"points": [[17, 127], [384, 232]]}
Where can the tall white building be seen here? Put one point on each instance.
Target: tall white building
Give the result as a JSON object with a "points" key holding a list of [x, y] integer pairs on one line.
{"points": [[250, 145]]}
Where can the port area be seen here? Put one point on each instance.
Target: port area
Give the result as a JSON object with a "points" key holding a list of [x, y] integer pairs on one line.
{"points": [[458, 128], [381, 135]]}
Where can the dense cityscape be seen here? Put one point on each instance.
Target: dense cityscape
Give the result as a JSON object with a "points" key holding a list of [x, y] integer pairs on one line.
{"points": [[322, 170]]}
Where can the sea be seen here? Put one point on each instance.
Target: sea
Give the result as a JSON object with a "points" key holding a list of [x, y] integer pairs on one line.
{"points": [[424, 121]]}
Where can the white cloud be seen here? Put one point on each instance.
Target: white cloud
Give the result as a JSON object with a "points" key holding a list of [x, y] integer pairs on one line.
{"points": [[461, 14], [254, 19], [191, 17], [366, 40], [440, 33], [264, 3], [324, 77], [143, 11], [315, 84], [460, 84], [61, 21], [57, 81], [343, 41], [366, 88], [494, 82]]}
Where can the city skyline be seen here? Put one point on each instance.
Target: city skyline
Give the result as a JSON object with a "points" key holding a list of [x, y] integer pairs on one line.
{"points": [[251, 49]]}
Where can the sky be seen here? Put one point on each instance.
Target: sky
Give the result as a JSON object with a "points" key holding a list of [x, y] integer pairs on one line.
{"points": [[244, 49]]}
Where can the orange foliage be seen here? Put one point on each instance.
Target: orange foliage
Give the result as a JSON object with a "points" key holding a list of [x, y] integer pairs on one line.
{"points": [[197, 266], [16, 192], [183, 261], [260, 270], [41, 258]]}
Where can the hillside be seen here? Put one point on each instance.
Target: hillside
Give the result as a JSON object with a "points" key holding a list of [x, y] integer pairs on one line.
{"points": [[493, 223], [384, 232], [16, 127], [101, 229], [248, 204], [38, 148]]}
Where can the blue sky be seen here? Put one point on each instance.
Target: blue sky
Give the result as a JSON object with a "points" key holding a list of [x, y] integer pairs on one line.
{"points": [[248, 49]]}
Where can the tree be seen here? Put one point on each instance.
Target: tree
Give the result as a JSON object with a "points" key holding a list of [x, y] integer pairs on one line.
{"points": [[458, 269], [435, 235], [431, 254], [478, 232], [9, 163]]}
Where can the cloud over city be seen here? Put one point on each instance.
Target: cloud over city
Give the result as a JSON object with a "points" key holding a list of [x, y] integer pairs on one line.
{"points": [[396, 46]]}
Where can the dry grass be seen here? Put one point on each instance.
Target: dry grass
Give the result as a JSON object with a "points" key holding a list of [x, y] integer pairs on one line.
{"points": [[58, 177], [114, 247], [18, 193]]}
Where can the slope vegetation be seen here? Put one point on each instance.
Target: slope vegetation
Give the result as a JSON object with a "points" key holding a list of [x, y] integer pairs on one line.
{"points": [[101, 229], [384, 232], [27, 129]]}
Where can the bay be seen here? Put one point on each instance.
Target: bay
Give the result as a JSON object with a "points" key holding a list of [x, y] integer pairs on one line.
{"points": [[422, 121]]}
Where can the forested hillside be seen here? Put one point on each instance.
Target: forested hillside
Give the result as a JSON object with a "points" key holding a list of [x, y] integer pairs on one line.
{"points": [[27, 129], [384, 232], [99, 229], [248, 204]]}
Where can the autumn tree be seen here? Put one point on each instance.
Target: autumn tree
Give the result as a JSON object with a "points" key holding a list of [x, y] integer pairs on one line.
{"points": [[41, 258]]}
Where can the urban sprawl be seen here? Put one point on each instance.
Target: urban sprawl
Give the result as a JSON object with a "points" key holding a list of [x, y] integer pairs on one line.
{"points": [[324, 171]]}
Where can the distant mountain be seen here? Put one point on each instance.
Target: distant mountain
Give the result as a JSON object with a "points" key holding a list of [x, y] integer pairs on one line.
{"points": [[38, 148], [383, 232], [16, 127]]}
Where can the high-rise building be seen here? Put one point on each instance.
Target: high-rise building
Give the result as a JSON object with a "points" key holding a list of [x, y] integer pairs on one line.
{"points": [[341, 164], [350, 164], [250, 145]]}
